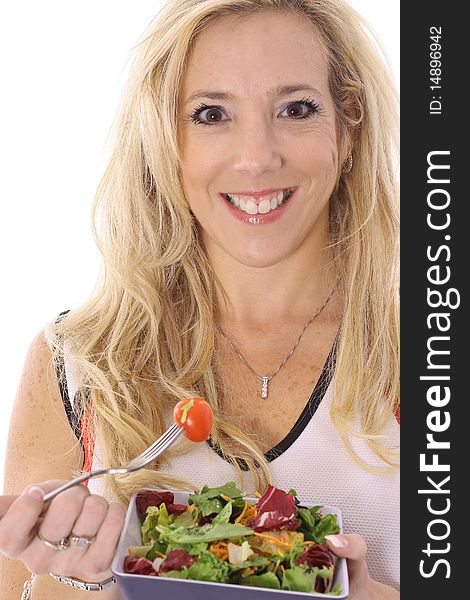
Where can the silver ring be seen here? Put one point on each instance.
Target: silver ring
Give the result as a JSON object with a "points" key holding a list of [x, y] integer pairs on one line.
{"points": [[81, 541], [62, 544]]}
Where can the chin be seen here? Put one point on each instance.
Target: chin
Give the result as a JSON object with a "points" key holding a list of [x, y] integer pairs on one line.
{"points": [[259, 260]]}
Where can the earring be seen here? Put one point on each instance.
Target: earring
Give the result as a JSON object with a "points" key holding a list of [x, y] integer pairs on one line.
{"points": [[349, 163]]}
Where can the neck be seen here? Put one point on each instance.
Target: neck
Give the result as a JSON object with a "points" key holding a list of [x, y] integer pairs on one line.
{"points": [[290, 290]]}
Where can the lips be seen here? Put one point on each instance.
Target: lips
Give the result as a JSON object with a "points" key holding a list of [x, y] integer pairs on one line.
{"points": [[253, 203]]}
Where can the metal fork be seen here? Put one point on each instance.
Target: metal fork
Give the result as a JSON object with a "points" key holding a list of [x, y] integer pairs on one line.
{"points": [[148, 456]]}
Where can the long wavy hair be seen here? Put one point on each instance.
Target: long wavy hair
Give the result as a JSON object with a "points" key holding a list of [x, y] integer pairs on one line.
{"points": [[146, 337]]}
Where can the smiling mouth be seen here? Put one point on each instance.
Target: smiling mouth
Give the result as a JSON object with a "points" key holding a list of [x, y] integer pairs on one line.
{"points": [[262, 205]]}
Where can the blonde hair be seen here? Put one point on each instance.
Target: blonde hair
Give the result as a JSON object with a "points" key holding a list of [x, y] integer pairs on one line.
{"points": [[146, 338]]}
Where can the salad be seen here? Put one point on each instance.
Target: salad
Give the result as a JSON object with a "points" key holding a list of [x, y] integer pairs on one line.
{"points": [[221, 537]]}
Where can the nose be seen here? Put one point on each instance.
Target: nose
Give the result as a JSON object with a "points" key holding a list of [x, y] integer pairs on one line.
{"points": [[256, 149]]}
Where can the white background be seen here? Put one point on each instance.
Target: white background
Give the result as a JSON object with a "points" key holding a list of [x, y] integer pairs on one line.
{"points": [[63, 66]]}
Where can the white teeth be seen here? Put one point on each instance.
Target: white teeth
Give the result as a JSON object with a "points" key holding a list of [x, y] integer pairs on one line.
{"points": [[265, 205], [251, 207]]}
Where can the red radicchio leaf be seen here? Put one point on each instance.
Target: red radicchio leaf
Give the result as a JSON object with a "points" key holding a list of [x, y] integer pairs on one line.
{"points": [[176, 509], [322, 586], [316, 555], [176, 560], [138, 565], [319, 556], [152, 498], [275, 510]]}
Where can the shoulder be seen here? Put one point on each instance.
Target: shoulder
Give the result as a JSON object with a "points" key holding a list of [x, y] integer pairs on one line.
{"points": [[41, 444]]}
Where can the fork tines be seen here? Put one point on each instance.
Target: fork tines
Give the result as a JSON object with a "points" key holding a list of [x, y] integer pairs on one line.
{"points": [[158, 446]]}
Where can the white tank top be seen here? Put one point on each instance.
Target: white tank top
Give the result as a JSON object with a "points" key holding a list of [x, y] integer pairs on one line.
{"points": [[317, 465]]}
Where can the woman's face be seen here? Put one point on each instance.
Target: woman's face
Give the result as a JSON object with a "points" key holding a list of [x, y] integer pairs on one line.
{"points": [[258, 138]]}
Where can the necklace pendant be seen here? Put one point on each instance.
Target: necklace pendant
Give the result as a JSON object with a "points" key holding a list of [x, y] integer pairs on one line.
{"points": [[264, 387]]}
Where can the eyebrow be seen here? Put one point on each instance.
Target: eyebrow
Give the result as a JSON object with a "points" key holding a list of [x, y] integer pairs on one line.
{"points": [[283, 90]]}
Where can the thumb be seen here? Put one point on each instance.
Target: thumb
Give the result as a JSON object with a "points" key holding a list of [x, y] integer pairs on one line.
{"points": [[352, 547]]}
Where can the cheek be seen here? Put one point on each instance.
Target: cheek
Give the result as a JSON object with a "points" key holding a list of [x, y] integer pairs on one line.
{"points": [[322, 153], [321, 160], [202, 162]]}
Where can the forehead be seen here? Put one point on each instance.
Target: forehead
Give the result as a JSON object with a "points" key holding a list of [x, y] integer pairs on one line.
{"points": [[252, 53]]}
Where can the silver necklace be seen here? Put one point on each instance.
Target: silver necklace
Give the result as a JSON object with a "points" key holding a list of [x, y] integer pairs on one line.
{"points": [[265, 379]]}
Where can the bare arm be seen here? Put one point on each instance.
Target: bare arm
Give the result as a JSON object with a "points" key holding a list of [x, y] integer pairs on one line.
{"points": [[41, 447]]}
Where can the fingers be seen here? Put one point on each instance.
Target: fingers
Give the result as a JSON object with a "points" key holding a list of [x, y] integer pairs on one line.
{"points": [[96, 562], [74, 512], [5, 503], [19, 519], [56, 525], [352, 547], [62, 513], [84, 530], [94, 511]]}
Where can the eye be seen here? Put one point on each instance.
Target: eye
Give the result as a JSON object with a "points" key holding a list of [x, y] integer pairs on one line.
{"points": [[207, 115], [301, 109]]}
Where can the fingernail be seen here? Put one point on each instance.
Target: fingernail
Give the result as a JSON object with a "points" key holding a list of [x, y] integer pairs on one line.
{"points": [[36, 492], [338, 541]]}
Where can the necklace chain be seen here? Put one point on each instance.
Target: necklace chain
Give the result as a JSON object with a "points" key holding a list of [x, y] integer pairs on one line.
{"points": [[265, 379]]}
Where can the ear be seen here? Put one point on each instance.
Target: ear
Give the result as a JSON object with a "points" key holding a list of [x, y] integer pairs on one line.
{"points": [[351, 123]]}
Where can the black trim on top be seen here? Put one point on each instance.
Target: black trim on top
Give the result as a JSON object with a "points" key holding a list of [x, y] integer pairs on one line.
{"points": [[59, 367], [302, 422], [310, 408]]}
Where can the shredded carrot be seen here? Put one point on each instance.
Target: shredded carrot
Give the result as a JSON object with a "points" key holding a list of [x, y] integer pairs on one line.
{"points": [[258, 495], [248, 513], [276, 566], [227, 498], [220, 550], [274, 540], [309, 542]]}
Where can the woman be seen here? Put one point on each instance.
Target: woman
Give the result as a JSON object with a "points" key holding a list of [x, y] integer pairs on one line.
{"points": [[249, 235]]}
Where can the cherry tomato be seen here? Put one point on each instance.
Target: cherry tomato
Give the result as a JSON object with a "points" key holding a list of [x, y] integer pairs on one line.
{"points": [[194, 415]]}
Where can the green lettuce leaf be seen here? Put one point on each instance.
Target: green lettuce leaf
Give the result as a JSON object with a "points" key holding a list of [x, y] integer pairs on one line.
{"points": [[314, 526], [157, 549], [224, 515], [139, 550], [206, 533], [290, 558], [209, 568], [326, 526], [297, 579], [148, 526], [182, 574], [188, 518], [155, 515], [266, 580], [336, 591], [254, 560], [208, 501]]}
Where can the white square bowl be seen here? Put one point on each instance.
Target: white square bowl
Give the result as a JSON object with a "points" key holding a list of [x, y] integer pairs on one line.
{"points": [[145, 587]]}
